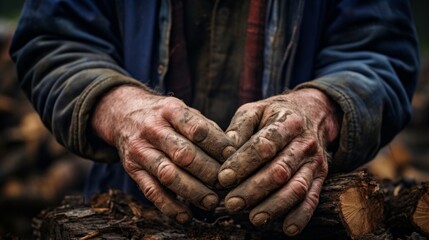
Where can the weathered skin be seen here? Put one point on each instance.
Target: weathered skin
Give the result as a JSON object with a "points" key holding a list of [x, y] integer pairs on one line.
{"points": [[163, 143], [281, 161]]}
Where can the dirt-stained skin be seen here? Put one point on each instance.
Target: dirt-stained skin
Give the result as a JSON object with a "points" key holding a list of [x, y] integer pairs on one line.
{"points": [[164, 144], [272, 157], [281, 160]]}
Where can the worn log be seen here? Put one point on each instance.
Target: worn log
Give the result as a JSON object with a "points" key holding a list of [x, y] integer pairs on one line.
{"points": [[350, 207], [407, 209], [116, 215]]}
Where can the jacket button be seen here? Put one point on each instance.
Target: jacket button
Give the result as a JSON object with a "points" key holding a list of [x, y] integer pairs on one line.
{"points": [[161, 69]]}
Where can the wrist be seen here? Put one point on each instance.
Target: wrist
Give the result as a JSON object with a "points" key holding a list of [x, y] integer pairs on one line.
{"points": [[333, 123], [115, 104], [324, 110]]}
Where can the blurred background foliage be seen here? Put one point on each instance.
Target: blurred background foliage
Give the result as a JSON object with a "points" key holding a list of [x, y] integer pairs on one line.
{"points": [[420, 10], [9, 9]]}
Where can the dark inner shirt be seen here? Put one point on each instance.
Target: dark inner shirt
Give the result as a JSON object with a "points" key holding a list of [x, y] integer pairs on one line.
{"points": [[215, 32]]}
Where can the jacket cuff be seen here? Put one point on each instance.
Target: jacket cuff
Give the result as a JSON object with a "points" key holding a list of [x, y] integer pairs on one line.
{"points": [[84, 140], [356, 146]]}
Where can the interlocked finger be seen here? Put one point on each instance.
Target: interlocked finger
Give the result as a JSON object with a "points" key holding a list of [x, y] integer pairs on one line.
{"points": [[195, 127], [244, 123], [164, 201], [274, 175], [185, 154], [285, 198], [171, 176], [262, 147], [299, 217]]}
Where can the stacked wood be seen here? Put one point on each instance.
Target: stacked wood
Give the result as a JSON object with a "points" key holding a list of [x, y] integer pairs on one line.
{"points": [[407, 209], [35, 171], [351, 206], [116, 215]]}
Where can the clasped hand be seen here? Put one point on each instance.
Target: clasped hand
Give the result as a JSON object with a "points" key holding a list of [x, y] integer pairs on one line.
{"points": [[272, 156]]}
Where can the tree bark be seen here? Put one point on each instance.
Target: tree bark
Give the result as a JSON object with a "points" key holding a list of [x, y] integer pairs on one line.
{"points": [[350, 207], [407, 209]]}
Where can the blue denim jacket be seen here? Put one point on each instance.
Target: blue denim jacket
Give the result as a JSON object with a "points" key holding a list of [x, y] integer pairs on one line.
{"points": [[363, 54]]}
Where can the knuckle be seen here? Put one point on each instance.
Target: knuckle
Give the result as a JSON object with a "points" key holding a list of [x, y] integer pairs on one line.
{"points": [[152, 128], [245, 107], [299, 188], [248, 111], [198, 131], [166, 173], [296, 123], [265, 147], [254, 115], [319, 161], [280, 173], [151, 192], [173, 102], [136, 152], [135, 147], [320, 164], [170, 105], [139, 148], [310, 146], [312, 200], [129, 166], [184, 155], [323, 168]]}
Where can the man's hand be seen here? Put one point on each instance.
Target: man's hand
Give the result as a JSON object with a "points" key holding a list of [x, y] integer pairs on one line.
{"points": [[162, 142], [281, 162]]}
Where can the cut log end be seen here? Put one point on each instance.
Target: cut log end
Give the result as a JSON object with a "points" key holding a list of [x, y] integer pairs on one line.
{"points": [[407, 208], [360, 215], [421, 214]]}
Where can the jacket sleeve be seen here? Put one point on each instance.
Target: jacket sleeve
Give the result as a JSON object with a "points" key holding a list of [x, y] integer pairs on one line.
{"points": [[368, 63], [68, 54]]}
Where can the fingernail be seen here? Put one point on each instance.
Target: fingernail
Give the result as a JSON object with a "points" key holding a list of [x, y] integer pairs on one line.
{"points": [[228, 151], [292, 230], [183, 217], [227, 177], [235, 204], [209, 202], [260, 219]]}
